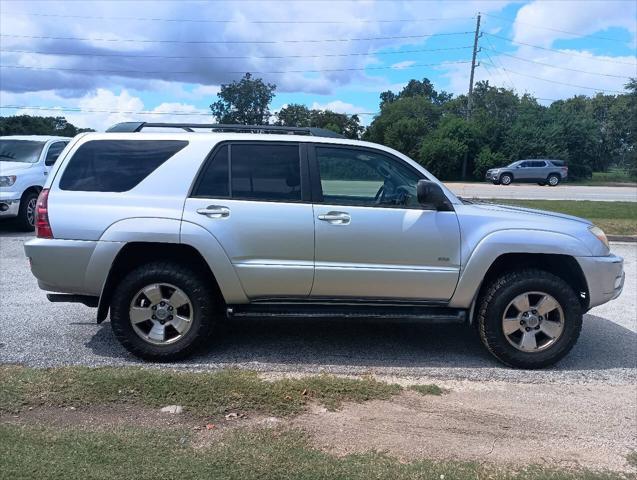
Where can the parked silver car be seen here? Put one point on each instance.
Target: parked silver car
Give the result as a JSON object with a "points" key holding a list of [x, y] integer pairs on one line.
{"points": [[542, 172], [174, 233]]}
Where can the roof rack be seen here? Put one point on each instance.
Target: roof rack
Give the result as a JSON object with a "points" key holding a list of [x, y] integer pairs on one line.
{"points": [[131, 127]]}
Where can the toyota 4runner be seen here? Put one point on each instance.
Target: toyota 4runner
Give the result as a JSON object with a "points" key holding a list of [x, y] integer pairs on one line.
{"points": [[175, 233]]}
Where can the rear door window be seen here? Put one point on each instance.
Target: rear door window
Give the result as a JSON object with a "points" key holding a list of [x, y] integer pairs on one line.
{"points": [[253, 171], [116, 165]]}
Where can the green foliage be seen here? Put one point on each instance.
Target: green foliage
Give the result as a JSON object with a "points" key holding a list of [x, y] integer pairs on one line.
{"points": [[443, 156], [589, 133], [295, 115], [487, 159], [246, 102], [32, 125]]}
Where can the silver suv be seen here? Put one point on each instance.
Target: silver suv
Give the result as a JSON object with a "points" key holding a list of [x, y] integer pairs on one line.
{"points": [[175, 233], [542, 172]]}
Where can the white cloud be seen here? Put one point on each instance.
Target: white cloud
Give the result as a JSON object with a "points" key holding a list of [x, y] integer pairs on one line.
{"points": [[103, 108], [575, 16], [403, 65], [339, 106], [557, 83]]}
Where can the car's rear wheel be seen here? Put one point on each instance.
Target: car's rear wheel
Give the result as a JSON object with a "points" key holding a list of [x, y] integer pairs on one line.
{"points": [[506, 179], [553, 180], [163, 311], [26, 212], [529, 319]]}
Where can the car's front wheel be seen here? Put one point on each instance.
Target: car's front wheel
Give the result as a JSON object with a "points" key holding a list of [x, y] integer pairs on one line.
{"points": [[506, 179], [163, 311], [529, 318]]}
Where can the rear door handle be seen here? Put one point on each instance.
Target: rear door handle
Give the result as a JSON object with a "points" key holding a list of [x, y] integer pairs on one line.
{"points": [[214, 211], [336, 218]]}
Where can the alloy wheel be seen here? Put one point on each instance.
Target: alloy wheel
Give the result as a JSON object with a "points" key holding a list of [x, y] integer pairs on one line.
{"points": [[533, 321], [161, 313]]}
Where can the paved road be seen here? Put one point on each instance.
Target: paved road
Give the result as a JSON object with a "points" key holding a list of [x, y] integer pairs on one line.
{"points": [[38, 333], [535, 192]]}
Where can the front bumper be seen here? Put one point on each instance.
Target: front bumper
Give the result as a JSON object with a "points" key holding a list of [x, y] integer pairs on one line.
{"points": [[604, 276], [491, 176], [9, 208]]}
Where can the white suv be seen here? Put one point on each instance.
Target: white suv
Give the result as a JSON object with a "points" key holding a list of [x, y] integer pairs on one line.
{"points": [[25, 162]]}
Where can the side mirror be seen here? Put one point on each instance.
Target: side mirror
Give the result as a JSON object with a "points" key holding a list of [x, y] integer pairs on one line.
{"points": [[430, 194]]}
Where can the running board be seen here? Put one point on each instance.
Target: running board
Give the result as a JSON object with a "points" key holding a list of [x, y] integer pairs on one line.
{"points": [[426, 314]]}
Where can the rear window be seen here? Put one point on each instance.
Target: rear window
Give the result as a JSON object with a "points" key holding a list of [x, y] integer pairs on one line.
{"points": [[116, 165]]}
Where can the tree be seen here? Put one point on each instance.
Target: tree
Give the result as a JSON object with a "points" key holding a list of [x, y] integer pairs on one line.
{"points": [[34, 125], [245, 102], [295, 115], [403, 123], [443, 157]]}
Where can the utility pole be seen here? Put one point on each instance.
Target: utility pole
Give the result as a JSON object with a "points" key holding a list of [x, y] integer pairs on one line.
{"points": [[470, 96]]}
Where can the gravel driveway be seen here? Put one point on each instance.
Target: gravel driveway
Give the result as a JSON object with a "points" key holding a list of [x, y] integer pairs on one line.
{"points": [[38, 333]]}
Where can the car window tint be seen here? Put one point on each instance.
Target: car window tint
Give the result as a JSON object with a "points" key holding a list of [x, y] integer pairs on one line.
{"points": [[116, 165], [214, 179], [270, 172], [361, 177], [54, 152]]}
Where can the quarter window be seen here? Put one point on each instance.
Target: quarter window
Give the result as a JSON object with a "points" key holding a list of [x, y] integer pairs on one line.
{"points": [[116, 165], [214, 180], [361, 177]]}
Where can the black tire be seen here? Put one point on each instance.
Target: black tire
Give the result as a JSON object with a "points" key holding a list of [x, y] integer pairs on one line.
{"points": [[497, 297], [553, 180], [506, 179], [205, 302], [25, 220]]}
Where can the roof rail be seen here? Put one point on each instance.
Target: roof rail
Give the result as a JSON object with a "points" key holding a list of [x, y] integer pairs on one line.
{"points": [[131, 127]]}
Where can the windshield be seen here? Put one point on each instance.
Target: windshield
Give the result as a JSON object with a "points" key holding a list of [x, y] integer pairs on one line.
{"points": [[23, 151], [512, 164]]}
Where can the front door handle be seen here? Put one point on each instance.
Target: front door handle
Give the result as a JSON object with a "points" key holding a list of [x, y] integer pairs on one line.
{"points": [[214, 211], [336, 218]]}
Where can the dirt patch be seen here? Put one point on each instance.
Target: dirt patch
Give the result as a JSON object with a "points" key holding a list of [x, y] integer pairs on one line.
{"points": [[593, 427]]}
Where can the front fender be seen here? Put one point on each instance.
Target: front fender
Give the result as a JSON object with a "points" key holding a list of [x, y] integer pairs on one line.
{"points": [[509, 241]]}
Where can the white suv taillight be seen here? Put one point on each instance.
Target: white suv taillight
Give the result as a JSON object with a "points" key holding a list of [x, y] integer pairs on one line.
{"points": [[42, 225]]}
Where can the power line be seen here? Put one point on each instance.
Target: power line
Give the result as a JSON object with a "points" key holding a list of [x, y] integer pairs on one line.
{"points": [[130, 112], [560, 83], [233, 57], [553, 29], [274, 22], [570, 54], [499, 63], [555, 66], [239, 72], [319, 40]]}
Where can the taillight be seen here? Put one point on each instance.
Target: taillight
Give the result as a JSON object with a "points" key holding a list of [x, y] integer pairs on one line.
{"points": [[42, 225]]}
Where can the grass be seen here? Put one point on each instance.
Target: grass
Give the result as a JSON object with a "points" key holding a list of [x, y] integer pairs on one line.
{"points": [[430, 389], [30, 452], [631, 458], [203, 394], [614, 176], [615, 218]]}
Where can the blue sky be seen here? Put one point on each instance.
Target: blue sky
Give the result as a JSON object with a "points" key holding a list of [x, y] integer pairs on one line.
{"points": [[103, 62]]}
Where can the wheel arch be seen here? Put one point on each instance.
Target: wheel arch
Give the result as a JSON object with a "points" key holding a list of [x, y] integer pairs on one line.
{"points": [[135, 254], [515, 249]]}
